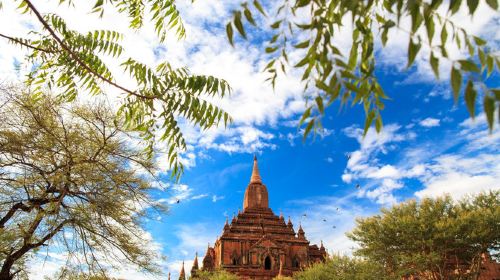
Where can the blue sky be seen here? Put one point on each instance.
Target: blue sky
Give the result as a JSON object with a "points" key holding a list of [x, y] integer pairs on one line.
{"points": [[428, 146], [427, 142]]}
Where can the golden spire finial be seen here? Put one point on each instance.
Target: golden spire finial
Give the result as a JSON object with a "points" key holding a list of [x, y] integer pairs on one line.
{"points": [[255, 179]]}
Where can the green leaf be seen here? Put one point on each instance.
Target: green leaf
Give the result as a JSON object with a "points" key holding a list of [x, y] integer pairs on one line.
{"points": [[276, 24], [98, 4], [271, 49], [378, 124], [429, 25], [436, 3], [456, 82], [229, 32], [479, 41], [434, 64], [472, 4], [353, 56], [248, 16], [319, 103], [308, 128], [469, 66], [496, 93], [306, 115], [302, 45], [493, 4], [454, 6], [322, 86], [384, 36], [303, 62], [239, 25], [489, 64], [489, 110], [413, 50], [470, 98], [368, 121], [257, 5], [302, 3], [444, 35]]}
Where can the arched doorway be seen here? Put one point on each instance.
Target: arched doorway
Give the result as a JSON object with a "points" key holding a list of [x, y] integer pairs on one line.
{"points": [[267, 263]]}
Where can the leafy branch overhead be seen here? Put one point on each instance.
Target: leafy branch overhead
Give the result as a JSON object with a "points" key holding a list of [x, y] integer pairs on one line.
{"points": [[72, 63], [350, 78]]}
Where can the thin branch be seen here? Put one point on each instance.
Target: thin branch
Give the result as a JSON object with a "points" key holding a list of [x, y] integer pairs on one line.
{"points": [[75, 56], [24, 43]]}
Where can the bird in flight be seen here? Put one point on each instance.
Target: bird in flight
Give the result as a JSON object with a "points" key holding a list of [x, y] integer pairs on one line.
{"points": [[358, 186], [178, 201], [324, 220]]}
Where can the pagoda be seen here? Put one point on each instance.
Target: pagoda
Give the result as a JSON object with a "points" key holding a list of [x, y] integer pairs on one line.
{"points": [[257, 244]]}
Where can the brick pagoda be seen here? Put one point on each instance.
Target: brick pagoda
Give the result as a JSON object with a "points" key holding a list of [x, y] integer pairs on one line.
{"points": [[258, 244]]}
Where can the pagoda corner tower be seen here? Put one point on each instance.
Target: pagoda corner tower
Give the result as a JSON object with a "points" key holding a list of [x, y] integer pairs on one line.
{"points": [[257, 244]]}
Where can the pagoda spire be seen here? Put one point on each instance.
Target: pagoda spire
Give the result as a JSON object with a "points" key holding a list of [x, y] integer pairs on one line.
{"points": [[169, 275], [194, 268], [182, 275], [256, 195], [255, 179]]}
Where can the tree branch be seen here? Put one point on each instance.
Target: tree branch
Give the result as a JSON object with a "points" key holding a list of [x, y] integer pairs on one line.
{"points": [[24, 44], [12, 211], [75, 56]]}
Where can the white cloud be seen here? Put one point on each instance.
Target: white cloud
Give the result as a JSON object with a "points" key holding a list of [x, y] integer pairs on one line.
{"points": [[363, 164], [472, 167], [200, 196], [429, 122], [458, 184], [383, 193], [193, 237], [216, 198], [179, 193], [386, 171]]}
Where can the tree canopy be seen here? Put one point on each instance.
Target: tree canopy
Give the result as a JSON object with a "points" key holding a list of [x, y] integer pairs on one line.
{"points": [[215, 275], [311, 27], [343, 268], [70, 180], [433, 238]]}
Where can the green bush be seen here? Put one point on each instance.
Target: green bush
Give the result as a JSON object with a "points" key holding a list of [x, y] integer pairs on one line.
{"points": [[343, 268]]}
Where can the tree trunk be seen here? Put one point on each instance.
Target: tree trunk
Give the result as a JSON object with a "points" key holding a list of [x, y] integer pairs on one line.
{"points": [[6, 267]]}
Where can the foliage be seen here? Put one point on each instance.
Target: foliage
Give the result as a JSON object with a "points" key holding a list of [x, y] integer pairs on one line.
{"points": [[282, 278], [342, 268], [434, 238], [68, 182], [71, 62], [74, 273], [215, 275], [351, 78]]}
